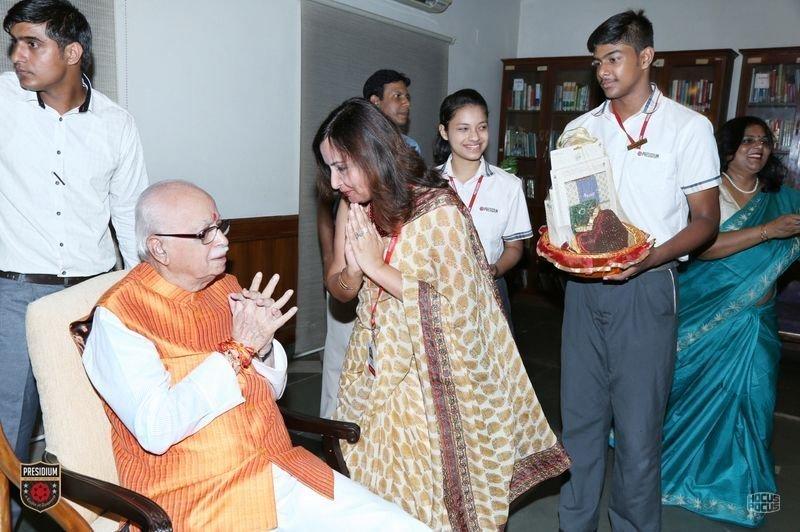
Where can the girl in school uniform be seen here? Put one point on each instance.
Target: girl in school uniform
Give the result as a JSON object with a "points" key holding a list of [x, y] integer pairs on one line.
{"points": [[493, 197]]}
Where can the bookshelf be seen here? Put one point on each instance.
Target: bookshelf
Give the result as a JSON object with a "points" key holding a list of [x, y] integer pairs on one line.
{"points": [[540, 96], [768, 88], [698, 79]]}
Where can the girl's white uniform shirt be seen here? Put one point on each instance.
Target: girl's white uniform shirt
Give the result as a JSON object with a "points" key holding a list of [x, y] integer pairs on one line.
{"points": [[500, 212]]}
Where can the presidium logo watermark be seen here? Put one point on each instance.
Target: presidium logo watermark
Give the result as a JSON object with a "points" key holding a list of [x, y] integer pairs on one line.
{"points": [[763, 502], [40, 485]]}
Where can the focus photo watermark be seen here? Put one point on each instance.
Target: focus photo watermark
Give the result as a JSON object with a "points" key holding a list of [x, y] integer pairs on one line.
{"points": [[763, 502]]}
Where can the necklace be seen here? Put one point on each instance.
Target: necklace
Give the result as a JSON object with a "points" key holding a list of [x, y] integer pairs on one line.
{"points": [[755, 186]]}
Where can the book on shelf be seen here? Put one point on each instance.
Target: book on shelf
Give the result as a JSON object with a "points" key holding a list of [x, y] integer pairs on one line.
{"points": [[524, 96], [519, 143], [695, 95], [552, 143], [784, 131], [530, 187], [777, 85], [570, 96]]}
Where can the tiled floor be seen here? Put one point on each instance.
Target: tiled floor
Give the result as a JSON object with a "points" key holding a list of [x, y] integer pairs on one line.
{"points": [[537, 326]]}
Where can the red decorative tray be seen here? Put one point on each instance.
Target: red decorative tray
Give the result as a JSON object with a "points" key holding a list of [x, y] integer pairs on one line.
{"points": [[595, 265]]}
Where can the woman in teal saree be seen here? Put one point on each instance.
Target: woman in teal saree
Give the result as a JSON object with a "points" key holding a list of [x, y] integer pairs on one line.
{"points": [[718, 426]]}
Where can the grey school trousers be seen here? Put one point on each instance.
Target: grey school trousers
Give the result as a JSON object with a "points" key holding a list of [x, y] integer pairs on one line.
{"points": [[617, 359], [19, 399]]}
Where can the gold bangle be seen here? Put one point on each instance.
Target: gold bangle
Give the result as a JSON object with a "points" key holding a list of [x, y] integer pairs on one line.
{"points": [[764, 236], [344, 286]]}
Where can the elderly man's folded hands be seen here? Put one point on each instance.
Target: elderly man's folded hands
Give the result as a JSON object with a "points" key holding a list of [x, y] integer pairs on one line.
{"points": [[256, 315]]}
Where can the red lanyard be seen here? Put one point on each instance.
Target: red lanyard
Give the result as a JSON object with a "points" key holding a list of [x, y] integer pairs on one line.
{"points": [[386, 260], [474, 192], [642, 140]]}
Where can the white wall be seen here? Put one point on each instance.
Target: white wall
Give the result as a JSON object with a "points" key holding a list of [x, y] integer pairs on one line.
{"points": [[548, 28], [215, 86], [215, 90], [485, 32]]}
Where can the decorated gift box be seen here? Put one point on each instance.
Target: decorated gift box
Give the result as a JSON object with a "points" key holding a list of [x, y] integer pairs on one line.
{"points": [[587, 233]]}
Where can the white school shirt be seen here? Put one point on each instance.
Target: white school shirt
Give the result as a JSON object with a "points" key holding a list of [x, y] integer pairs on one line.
{"points": [[679, 158], [500, 213], [127, 372], [50, 227]]}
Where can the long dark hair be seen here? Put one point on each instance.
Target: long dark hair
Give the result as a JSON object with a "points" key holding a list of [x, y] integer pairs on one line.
{"points": [[358, 130], [729, 138], [450, 106]]}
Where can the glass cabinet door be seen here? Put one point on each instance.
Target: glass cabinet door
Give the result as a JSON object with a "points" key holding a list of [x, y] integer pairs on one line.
{"points": [[523, 105], [575, 91], [772, 95], [693, 87]]}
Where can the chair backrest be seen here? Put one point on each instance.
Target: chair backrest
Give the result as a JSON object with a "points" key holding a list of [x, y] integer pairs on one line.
{"points": [[76, 428]]}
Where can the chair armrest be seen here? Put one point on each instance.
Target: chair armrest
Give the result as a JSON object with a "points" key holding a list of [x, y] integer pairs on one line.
{"points": [[341, 430], [789, 336], [145, 513], [331, 432]]}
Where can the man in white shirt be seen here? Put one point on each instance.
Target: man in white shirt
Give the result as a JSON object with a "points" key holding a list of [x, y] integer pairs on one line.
{"points": [[619, 334], [186, 363], [70, 163]]}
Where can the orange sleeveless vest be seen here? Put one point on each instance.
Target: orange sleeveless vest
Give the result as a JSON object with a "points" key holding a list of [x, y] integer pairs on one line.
{"points": [[219, 478]]}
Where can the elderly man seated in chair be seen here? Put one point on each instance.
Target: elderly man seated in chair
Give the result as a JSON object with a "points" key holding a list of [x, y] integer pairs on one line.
{"points": [[186, 363]]}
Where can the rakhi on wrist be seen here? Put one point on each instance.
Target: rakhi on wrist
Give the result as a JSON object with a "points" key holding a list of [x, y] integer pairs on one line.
{"points": [[234, 350]]}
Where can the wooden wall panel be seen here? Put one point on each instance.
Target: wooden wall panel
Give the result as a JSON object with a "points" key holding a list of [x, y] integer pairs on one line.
{"points": [[267, 244]]}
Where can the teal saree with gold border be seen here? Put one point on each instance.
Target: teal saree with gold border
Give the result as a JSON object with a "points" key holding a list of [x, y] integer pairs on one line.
{"points": [[718, 425]]}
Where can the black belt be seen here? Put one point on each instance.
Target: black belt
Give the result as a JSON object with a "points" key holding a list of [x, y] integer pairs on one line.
{"points": [[43, 278]]}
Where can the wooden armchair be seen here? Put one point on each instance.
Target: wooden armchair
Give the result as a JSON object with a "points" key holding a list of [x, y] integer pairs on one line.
{"points": [[77, 430], [62, 513]]}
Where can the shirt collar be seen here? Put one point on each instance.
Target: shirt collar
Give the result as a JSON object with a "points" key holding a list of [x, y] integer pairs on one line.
{"points": [[650, 106], [484, 168], [85, 106]]}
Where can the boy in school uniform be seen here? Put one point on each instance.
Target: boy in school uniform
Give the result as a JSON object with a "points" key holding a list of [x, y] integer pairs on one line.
{"points": [[619, 334]]}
